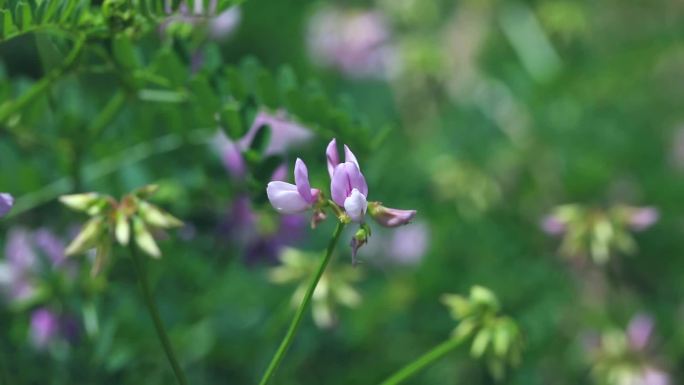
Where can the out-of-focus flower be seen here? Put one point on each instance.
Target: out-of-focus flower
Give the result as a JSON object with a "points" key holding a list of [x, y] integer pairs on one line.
{"points": [[471, 189], [357, 43], [48, 326], [261, 236], [218, 26], [639, 331], [6, 203], [44, 327], [113, 220], [334, 288], [621, 358], [285, 134], [27, 256], [495, 337], [405, 246], [598, 232]]}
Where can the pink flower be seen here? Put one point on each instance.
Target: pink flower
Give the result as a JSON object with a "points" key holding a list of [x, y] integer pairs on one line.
{"points": [[348, 186], [289, 198]]}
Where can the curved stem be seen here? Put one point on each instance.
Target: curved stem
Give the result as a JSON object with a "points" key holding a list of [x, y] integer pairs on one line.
{"points": [[139, 264], [423, 361], [294, 325]]}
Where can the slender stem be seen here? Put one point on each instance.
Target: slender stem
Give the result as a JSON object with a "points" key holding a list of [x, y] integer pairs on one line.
{"points": [[294, 325], [9, 109], [423, 361], [139, 264]]}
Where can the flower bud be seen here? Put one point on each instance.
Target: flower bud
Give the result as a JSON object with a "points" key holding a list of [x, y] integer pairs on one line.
{"points": [[122, 230], [390, 217], [156, 217], [87, 238], [360, 238], [144, 239], [81, 202]]}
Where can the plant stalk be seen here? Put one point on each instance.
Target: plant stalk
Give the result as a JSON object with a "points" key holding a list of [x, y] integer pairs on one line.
{"points": [[294, 325], [423, 361], [139, 264]]}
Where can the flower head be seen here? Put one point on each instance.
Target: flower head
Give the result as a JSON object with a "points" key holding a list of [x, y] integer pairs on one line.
{"points": [[113, 220], [349, 192]]}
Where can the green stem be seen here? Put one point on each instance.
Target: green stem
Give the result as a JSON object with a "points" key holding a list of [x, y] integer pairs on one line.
{"points": [[9, 109], [294, 325], [423, 361], [139, 264]]}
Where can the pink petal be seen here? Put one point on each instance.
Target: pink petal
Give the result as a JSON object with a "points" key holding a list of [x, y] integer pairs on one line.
{"points": [[301, 175], [356, 205], [332, 156], [285, 198]]}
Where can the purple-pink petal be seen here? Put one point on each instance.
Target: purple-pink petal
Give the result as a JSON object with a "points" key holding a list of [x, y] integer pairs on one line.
{"points": [[332, 156], [285, 198], [350, 157], [347, 177], [390, 217], [301, 175]]}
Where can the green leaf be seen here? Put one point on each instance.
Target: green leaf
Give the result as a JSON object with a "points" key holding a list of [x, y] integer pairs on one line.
{"points": [[267, 90], [8, 27], [480, 343], [265, 169], [231, 120], [261, 139], [124, 52], [51, 10], [23, 15], [235, 83]]}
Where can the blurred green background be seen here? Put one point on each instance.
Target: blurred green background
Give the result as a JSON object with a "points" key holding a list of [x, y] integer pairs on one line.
{"points": [[488, 117]]}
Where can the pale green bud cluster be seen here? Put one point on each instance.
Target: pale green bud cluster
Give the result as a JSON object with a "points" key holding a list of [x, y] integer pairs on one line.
{"points": [[118, 221], [495, 337]]}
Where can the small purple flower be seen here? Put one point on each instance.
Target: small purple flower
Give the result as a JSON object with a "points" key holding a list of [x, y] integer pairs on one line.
{"points": [[348, 186], [639, 331], [45, 327], [289, 198], [642, 218], [6, 203]]}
